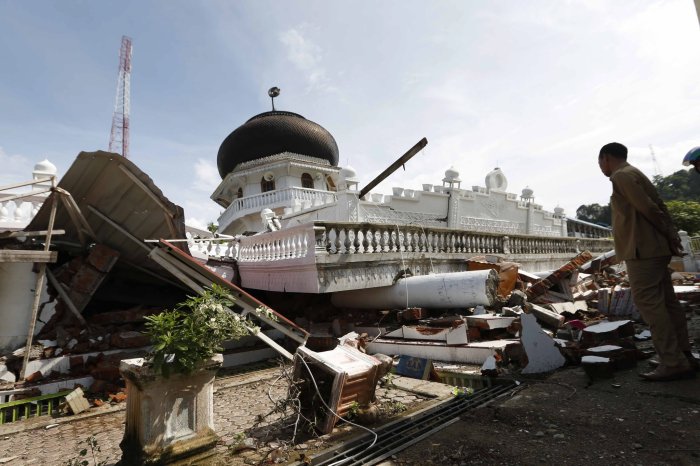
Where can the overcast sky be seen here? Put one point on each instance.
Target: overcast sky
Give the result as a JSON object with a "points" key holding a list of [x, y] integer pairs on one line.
{"points": [[533, 87]]}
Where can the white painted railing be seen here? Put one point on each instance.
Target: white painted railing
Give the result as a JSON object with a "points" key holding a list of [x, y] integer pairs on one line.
{"points": [[18, 213], [292, 243], [293, 197], [341, 238]]}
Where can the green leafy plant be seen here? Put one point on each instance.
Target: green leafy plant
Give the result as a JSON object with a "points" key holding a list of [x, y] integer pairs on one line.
{"points": [[92, 449], [353, 410], [462, 391], [194, 331]]}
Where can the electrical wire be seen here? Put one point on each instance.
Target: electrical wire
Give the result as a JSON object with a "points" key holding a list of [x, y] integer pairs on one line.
{"points": [[313, 379]]}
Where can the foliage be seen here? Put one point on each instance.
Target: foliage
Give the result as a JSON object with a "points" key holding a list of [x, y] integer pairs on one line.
{"points": [[683, 185], [353, 410], [462, 391], [193, 331], [595, 213], [394, 407], [82, 458], [685, 215], [212, 227], [388, 381], [237, 442]]}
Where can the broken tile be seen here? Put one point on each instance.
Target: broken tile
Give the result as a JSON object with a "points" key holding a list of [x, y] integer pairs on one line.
{"points": [[542, 353], [607, 331]]}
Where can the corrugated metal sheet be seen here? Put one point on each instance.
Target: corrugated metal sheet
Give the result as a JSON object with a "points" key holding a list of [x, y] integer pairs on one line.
{"points": [[117, 188]]}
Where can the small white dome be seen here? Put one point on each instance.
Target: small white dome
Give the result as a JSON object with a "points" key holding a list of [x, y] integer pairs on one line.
{"points": [[496, 180], [45, 168], [559, 210], [349, 174], [451, 175], [527, 192]]}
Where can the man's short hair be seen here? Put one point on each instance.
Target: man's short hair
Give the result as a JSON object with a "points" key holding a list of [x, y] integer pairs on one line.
{"points": [[614, 149]]}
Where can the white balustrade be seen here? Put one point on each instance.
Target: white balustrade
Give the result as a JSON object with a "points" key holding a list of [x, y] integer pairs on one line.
{"points": [[18, 213]]}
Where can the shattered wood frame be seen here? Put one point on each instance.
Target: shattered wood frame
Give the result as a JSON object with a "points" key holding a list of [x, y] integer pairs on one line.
{"points": [[42, 265], [196, 276]]}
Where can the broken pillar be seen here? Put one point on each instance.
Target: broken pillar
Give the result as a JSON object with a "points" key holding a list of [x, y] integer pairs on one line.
{"points": [[440, 290]]}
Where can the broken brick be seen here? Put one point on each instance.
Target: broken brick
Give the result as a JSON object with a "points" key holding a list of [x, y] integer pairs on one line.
{"points": [[129, 339], [117, 397], [34, 377]]}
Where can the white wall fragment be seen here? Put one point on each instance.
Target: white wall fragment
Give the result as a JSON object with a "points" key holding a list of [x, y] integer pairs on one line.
{"points": [[6, 375], [542, 352]]}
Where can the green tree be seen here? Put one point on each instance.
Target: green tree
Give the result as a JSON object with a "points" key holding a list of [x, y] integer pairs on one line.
{"points": [[686, 215], [683, 185], [594, 213]]}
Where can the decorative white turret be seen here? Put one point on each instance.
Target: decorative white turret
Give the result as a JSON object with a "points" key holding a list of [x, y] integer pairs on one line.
{"points": [[496, 180], [44, 169], [527, 194], [451, 178], [347, 179]]}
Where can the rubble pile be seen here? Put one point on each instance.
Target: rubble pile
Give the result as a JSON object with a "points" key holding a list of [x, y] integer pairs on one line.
{"points": [[581, 313]]}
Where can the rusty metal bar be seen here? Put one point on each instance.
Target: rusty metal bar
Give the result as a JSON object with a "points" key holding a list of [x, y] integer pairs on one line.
{"points": [[392, 168]]}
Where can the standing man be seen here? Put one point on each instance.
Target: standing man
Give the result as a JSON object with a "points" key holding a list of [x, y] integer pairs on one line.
{"points": [[645, 238]]}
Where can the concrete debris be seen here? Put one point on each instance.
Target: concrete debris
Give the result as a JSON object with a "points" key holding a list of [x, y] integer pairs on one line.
{"points": [[543, 354], [77, 402], [597, 367]]}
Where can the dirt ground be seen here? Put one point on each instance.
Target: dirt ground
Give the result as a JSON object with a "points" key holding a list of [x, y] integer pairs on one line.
{"points": [[563, 419]]}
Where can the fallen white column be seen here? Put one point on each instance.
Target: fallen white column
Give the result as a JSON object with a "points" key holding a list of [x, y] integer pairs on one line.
{"points": [[442, 290]]}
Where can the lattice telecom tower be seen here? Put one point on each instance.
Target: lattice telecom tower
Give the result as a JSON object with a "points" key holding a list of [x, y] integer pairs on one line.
{"points": [[119, 136]]}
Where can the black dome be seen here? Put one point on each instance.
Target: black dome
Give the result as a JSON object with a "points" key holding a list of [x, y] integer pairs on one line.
{"points": [[274, 132]]}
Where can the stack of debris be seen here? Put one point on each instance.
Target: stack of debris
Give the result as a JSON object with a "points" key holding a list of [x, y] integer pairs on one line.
{"points": [[580, 313]]}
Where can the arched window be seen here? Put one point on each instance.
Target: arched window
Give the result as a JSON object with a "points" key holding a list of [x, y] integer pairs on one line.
{"points": [[239, 194], [307, 181], [267, 185]]}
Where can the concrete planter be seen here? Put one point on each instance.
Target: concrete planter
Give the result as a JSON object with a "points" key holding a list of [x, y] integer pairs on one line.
{"points": [[169, 420]]}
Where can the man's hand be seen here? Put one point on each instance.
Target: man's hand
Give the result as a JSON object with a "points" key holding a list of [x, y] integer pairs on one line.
{"points": [[676, 246]]}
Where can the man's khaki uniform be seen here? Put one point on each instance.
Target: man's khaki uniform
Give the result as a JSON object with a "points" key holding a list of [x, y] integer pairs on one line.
{"points": [[642, 229]]}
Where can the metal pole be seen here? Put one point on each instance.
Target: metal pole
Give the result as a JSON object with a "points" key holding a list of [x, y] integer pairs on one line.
{"points": [[392, 168]]}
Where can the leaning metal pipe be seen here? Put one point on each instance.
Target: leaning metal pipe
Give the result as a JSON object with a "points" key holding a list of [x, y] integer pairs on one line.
{"points": [[441, 290]]}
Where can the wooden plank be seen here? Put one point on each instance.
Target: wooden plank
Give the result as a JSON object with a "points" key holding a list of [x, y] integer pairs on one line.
{"points": [[145, 189], [20, 255], [29, 234], [64, 296], [39, 283], [73, 209], [26, 183], [20, 196], [118, 227]]}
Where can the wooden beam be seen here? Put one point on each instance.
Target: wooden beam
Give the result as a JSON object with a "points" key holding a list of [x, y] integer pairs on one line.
{"points": [[145, 189], [25, 183], [119, 228], [28, 234], [39, 284], [81, 223], [64, 296], [20, 196], [22, 255]]}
